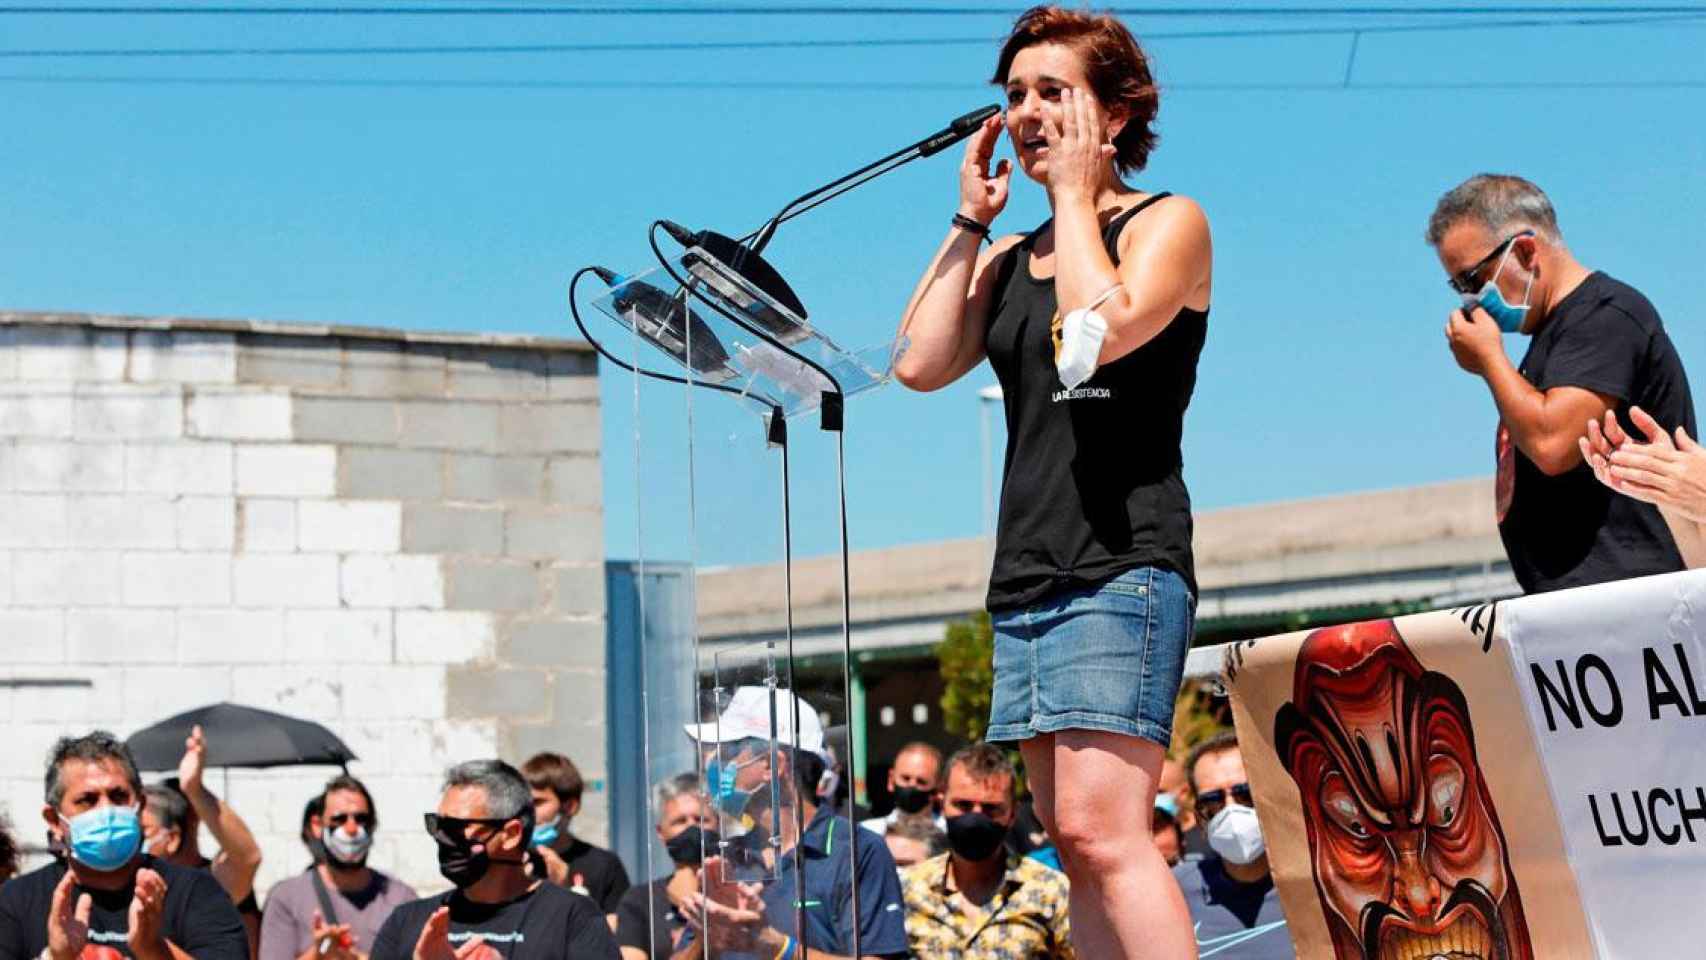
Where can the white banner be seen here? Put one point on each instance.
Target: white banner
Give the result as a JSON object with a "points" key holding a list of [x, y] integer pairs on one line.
{"points": [[1614, 681]]}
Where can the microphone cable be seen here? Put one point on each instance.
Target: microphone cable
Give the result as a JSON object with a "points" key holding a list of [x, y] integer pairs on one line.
{"points": [[574, 312], [652, 240]]}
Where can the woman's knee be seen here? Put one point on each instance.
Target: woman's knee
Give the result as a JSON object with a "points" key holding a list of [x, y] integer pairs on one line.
{"points": [[1099, 835]]}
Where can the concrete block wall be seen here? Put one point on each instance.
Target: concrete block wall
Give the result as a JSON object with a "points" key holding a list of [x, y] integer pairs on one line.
{"points": [[396, 535]]}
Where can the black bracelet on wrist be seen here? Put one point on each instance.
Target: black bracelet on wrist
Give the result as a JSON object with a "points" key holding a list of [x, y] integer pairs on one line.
{"points": [[971, 226]]}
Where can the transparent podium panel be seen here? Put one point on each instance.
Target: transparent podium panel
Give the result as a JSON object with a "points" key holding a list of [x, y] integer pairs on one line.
{"points": [[735, 816], [723, 330]]}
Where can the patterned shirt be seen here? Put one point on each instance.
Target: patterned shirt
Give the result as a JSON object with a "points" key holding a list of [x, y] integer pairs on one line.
{"points": [[1025, 919]]}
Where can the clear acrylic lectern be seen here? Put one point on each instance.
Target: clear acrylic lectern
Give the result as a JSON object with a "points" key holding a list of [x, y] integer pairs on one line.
{"points": [[742, 745]]}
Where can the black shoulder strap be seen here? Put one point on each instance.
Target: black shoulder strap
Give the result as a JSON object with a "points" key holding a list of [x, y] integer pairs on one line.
{"points": [[323, 895], [1111, 236]]}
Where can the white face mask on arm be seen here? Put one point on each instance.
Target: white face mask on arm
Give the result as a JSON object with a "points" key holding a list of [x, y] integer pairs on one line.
{"points": [[1081, 334]]}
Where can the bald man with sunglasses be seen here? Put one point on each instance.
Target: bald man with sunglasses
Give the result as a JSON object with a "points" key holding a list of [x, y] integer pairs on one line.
{"points": [[1596, 346]]}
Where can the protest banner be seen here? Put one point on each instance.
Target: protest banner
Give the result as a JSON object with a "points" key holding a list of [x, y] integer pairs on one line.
{"points": [[1511, 781]]}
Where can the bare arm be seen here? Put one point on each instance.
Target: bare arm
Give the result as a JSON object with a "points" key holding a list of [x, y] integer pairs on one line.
{"points": [[1544, 425], [239, 855], [1162, 268], [946, 316], [949, 312]]}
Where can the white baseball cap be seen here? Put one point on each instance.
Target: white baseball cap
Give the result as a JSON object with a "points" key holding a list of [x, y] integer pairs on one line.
{"points": [[748, 715]]}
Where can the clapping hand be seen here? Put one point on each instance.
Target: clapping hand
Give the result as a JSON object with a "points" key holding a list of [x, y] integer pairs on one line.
{"points": [[146, 905], [333, 941], [68, 920], [730, 914], [434, 941], [1666, 473]]}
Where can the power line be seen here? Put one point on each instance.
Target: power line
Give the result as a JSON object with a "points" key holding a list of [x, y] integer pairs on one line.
{"points": [[837, 10], [852, 43], [826, 86]]}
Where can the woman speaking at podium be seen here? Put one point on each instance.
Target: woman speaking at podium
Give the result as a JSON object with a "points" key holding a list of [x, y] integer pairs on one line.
{"points": [[1093, 322]]}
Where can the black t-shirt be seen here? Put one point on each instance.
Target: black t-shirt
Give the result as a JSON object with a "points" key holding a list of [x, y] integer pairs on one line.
{"points": [[593, 872], [1570, 530], [647, 920], [546, 923], [197, 916], [1093, 484]]}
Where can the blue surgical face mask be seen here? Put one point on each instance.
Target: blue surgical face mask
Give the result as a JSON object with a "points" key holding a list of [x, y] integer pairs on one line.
{"points": [[720, 778], [105, 838], [1508, 317], [545, 834]]}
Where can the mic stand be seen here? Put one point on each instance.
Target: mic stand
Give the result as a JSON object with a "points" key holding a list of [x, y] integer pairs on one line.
{"points": [[959, 129]]}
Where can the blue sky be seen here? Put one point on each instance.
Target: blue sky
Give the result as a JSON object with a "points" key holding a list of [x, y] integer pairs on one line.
{"points": [[459, 192]]}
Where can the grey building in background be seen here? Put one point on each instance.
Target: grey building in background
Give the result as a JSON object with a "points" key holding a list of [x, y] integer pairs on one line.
{"points": [[397, 534]]}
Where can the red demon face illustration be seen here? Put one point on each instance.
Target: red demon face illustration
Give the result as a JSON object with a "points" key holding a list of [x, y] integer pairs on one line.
{"points": [[1404, 843]]}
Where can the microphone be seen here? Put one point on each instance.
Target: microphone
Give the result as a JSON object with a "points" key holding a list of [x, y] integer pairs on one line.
{"points": [[961, 128], [720, 261], [666, 322]]}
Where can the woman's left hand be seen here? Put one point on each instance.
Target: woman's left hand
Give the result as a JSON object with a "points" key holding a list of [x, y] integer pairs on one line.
{"points": [[1077, 151]]}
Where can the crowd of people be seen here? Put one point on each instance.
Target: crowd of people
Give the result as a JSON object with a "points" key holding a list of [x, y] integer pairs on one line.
{"points": [[127, 876], [764, 859], [1093, 322]]}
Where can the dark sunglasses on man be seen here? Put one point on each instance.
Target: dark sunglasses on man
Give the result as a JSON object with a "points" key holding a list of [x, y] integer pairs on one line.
{"points": [[1211, 802], [364, 820], [1469, 281], [453, 831]]}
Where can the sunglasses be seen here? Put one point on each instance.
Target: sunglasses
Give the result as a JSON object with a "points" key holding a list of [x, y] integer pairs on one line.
{"points": [[453, 831], [1210, 802], [1466, 281], [361, 819]]}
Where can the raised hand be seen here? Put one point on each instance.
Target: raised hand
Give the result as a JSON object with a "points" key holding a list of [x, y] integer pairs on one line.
{"points": [[194, 760], [145, 937], [1078, 151], [982, 195], [1473, 339], [68, 920]]}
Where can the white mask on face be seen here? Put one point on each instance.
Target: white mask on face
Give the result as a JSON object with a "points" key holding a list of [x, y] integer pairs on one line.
{"points": [[1236, 835], [345, 848]]}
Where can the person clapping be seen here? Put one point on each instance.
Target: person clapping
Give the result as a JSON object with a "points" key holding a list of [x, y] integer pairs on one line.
{"points": [[1667, 472]]}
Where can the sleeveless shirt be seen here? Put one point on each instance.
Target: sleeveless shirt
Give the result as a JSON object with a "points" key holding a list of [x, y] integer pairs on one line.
{"points": [[1092, 482]]}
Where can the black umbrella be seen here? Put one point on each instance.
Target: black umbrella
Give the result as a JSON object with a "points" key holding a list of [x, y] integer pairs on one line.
{"points": [[239, 736]]}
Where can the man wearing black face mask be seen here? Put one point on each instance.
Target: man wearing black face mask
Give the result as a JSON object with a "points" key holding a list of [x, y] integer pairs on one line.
{"points": [[915, 784], [651, 920], [978, 902], [483, 827]]}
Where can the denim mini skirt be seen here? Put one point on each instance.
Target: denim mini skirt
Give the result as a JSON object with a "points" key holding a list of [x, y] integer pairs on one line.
{"points": [[1109, 657]]}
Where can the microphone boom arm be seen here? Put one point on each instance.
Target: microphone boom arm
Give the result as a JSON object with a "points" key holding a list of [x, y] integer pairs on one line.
{"points": [[959, 129]]}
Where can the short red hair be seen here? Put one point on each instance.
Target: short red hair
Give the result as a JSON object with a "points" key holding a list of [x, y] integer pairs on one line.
{"points": [[1116, 66]]}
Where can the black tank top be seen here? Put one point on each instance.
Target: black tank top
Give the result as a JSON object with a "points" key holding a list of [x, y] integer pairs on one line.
{"points": [[1093, 482]]}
